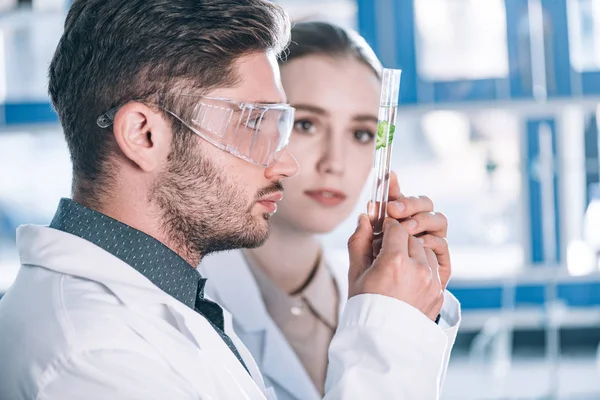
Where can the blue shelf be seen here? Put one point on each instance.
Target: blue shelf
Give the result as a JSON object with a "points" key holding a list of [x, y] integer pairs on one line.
{"points": [[574, 294], [13, 114]]}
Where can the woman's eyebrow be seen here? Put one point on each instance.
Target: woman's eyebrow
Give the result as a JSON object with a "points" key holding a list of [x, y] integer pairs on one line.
{"points": [[311, 108], [365, 118]]}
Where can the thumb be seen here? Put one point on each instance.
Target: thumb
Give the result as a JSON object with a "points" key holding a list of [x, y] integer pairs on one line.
{"points": [[360, 248]]}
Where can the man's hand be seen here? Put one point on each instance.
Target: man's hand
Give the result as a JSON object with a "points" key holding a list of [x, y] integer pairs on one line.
{"points": [[418, 217], [402, 268]]}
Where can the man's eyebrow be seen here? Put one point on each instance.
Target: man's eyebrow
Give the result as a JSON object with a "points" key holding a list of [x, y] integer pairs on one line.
{"points": [[265, 101]]}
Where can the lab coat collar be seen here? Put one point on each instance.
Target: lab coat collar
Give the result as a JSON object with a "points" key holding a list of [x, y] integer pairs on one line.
{"points": [[238, 292], [68, 254]]}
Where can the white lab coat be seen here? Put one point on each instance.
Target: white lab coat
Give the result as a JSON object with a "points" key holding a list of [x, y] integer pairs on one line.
{"points": [[232, 284], [79, 323]]}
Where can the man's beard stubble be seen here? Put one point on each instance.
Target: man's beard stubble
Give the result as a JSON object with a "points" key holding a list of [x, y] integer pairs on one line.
{"points": [[201, 210]]}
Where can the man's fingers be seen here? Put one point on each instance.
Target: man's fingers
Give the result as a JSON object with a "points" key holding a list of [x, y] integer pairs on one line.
{"points": [[395, 238], [431, 222], [416, 251], [439, 246], [360, 248], [436, 284], [404, 207], [433, 263]]}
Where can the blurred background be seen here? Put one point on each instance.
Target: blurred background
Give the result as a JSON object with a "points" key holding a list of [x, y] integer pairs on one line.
{"points": [[498, 124]]}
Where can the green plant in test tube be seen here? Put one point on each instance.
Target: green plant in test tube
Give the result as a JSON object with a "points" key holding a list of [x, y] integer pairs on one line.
{"points": [[386, 128], [382, 128]]}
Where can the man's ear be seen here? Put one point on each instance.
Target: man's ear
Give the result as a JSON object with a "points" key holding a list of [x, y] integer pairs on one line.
{"points": [[143, 135]]}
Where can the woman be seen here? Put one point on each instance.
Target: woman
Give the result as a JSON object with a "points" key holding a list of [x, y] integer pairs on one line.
{"points": [[286, 296]]}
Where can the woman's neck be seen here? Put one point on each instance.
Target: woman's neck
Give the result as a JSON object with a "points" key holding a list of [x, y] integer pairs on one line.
{"points": [[288, 257]]}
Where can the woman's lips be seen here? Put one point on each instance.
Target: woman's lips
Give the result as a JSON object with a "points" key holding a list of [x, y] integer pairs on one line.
{"points": [[326, 196]]}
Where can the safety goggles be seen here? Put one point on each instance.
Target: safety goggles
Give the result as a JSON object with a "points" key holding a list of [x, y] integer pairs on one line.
{"points": [[255, 132]]}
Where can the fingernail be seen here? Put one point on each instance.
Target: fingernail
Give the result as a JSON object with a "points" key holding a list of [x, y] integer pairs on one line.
{"points": [[410, 224], [387, 222], [399, 207], [421, 240]]}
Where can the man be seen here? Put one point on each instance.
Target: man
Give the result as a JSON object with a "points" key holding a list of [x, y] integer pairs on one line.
{"points": [[176, 123]]}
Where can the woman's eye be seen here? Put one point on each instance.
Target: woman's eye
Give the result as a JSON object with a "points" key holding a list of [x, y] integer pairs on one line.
{"points": [[305, 126], [364, 136]]}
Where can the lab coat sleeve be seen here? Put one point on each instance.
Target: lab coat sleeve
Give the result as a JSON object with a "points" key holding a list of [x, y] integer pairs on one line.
{"points": [[385, 349], [112, 374]]}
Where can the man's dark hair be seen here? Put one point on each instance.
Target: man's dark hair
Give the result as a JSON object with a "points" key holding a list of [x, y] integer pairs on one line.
{"points": [[115, 51], [324, 38]]}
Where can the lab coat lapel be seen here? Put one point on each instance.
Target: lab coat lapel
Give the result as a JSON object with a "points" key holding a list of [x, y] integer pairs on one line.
{"points": [[280, 364], [190, 362], [215, 349], [239, 294]]}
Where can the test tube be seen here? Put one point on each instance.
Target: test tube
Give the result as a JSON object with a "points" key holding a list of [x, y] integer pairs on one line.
{"points": [[386, 127]]}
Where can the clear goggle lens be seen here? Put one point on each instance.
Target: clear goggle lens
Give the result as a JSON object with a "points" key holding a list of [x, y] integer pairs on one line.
{"points": [[255, 132]]}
